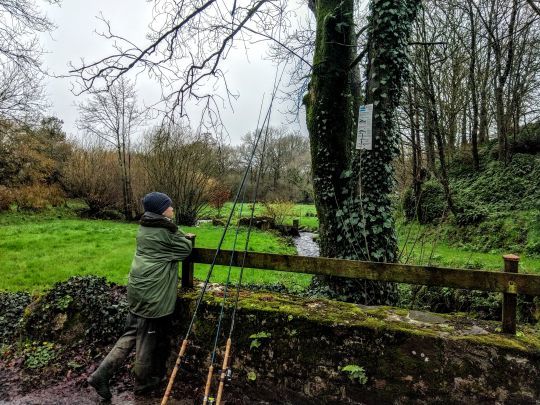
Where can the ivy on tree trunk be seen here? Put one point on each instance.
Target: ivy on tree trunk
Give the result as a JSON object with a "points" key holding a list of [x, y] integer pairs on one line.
{"points": [[352, 188]]}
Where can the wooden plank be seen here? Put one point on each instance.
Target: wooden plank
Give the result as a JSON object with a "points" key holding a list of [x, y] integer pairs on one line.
{"points": [[400, 273], [509, 306], [188, 265]]}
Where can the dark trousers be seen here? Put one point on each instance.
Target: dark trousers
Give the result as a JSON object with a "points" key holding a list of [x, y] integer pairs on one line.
{"points": [[151, 340]]}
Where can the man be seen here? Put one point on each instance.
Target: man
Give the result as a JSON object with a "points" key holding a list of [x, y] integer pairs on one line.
{"points": [[151, 294]]}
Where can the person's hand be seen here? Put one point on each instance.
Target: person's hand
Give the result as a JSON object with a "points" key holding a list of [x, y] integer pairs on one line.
{"points": [[190, 236]]}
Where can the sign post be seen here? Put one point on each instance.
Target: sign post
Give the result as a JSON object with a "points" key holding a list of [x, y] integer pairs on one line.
{"points": [[364, 136]]}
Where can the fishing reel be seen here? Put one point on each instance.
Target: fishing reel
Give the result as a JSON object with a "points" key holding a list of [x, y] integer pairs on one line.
{"points": [[228, 375], [211, 401]]}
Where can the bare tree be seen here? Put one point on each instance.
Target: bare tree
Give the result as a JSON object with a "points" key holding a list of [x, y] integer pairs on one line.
{"points": [[182, 164], [535, 6], [113, 117], [90, 173], [284, 164], [20, 23], [22, 95], [21, 90], [188, 43]]}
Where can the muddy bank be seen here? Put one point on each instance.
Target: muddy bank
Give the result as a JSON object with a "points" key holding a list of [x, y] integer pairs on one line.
{"points": [[285, 350]]}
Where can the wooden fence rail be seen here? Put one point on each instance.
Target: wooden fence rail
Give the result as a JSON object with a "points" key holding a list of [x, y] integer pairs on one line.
{"points": [[508, 282]]}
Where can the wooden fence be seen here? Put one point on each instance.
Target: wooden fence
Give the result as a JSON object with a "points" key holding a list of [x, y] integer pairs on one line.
{"points": [[509, 281]]}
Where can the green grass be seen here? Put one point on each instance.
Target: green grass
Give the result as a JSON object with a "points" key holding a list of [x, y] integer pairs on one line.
{"points": [[305, 213], [38, 250], [429, 245]]}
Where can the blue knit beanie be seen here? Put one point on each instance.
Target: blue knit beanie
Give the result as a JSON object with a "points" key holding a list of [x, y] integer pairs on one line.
{"points": [[156, 202]]}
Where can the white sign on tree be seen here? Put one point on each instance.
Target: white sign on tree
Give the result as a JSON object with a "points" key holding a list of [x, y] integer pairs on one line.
{"points": [[364, 137]]}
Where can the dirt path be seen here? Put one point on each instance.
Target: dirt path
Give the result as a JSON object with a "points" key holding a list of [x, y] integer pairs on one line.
{"points": [[71, 391]]}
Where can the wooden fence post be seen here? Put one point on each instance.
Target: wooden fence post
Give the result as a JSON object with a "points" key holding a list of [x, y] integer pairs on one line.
{"points": [[511, 264], [188, 266]]}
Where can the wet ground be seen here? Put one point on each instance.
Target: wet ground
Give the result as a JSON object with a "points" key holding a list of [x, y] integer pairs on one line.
{"points": [[18, 388], [71, 390]]}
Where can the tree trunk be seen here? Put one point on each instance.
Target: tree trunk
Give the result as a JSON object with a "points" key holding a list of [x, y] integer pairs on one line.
{"points": [[464, 139], [330, 118], [483, 136], [352, 188], [500, 82], [472, 88], [415, 146], [437, 133]]}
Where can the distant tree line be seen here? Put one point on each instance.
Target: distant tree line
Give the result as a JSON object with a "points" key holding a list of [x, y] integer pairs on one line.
{"points": [[111, 169]]}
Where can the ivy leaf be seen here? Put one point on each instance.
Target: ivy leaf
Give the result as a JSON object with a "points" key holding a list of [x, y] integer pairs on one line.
{"points": [[260, 335]]}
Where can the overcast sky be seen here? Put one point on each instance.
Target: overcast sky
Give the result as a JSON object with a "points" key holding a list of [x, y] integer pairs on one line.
{"points": [[250, 75]]}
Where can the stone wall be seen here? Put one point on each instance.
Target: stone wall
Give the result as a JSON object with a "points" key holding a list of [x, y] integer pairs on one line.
{"points": [[301, 355], [407, 356]]}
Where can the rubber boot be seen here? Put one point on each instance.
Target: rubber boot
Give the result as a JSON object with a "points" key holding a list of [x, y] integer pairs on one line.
{"points": [[100, 380]]}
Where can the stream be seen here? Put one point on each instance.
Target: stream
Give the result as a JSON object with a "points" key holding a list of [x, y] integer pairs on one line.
{"points": [[305, 245]]}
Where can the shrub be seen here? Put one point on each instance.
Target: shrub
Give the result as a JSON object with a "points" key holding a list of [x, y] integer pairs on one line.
{"points": [[38, 355], [527, 140], [38, 196], [431, 205], [79, 307], [92, 175], [219, 194], [279, 210], [6, 198], [471, 215], [507, 232], [12, 305], [533, 247], [31, 198], [409, 204], [56, 196], [356, 373], [499, 187]]}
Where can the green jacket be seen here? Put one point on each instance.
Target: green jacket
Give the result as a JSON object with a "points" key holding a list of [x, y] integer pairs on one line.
{"points": [[153, 279]]}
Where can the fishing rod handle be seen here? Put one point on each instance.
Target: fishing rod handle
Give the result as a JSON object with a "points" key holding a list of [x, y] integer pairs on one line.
{"points": [[175, 370], [223, 371], [208, 384]]}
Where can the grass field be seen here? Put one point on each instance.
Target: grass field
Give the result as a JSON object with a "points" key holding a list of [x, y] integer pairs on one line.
{"points": [[426, 245], [305, 213], [39, 249]]}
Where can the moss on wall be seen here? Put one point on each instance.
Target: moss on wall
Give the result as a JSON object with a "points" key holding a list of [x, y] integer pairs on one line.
{"points": [[406, 356]]}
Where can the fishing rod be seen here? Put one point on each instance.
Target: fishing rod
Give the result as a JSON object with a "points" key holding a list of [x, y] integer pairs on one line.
{"points": [[208, 385], [226, 372], [220, 319], [224, 369], [185, 341]]}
